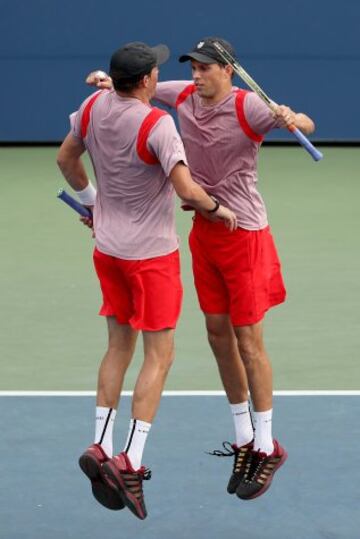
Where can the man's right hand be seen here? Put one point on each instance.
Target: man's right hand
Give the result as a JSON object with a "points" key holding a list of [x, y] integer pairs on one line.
{"points": [[88, 221], [100, 79]]}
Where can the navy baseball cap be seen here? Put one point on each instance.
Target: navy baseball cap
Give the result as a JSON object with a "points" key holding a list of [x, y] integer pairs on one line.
{"points": [[135, 59], [205, 52]]}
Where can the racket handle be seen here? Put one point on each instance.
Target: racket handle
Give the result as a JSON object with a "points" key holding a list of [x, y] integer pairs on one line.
{"points": [[74, 204], [305, 142]]}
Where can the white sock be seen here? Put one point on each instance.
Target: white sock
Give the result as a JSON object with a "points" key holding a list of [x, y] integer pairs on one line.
{"points": [[135, 443], [104, 426], [242, 421], [263, 432]]}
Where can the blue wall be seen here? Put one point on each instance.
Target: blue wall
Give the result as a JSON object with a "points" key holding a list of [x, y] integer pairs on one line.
{"points": [[304, 53]]}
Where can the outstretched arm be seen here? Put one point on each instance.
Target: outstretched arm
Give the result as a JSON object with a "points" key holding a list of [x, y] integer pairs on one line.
{"points": [[194, 195], [166, 92]]}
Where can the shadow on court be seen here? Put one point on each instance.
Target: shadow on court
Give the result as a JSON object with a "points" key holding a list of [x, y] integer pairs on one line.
{"points": [[314, 496]]}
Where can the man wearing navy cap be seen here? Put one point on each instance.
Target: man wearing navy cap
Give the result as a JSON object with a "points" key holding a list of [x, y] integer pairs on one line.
{"points": [[139, 162], [237, 276]]}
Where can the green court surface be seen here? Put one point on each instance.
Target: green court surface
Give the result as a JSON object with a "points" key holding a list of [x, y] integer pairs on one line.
{"points": [[52, 338]]}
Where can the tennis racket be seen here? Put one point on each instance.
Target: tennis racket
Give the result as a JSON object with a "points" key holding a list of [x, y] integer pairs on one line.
{"points": [[240, 71], [74, 204]]}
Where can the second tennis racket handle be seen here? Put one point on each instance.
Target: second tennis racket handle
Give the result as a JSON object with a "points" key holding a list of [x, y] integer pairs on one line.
{"points": [[74, 204], [305, 142]]}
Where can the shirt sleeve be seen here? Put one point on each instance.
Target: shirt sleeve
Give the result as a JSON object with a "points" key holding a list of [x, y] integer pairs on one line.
{"points": [[75, 117], [75, 127], [164, 141], [258, 115], [168, 92]]}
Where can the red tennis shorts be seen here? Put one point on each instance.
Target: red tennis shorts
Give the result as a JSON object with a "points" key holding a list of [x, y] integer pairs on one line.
{"points": [[238, 272], [146, 294]]}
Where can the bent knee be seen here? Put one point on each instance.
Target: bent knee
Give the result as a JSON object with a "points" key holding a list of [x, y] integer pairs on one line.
{"points": [[218, 326], [162, 362]]}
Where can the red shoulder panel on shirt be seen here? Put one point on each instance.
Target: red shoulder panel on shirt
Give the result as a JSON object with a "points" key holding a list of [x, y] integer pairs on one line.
{"points": [[188, 90], [239, 104], [150, 120], [85, 118]]}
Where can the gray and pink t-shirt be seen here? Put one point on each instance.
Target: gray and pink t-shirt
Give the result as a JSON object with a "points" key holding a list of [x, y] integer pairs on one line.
{"points": [[222, 144], [134, 214]]}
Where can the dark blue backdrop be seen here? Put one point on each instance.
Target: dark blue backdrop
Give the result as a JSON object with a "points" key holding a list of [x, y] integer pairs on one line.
{"points": [[304, 53]]}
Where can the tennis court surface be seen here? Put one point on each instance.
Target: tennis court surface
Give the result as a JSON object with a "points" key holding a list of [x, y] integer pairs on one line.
{"points": [[52, 339], [313, 496]]}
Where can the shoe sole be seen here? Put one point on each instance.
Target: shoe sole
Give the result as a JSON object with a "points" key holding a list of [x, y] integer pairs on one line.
{"points": [[112, 473], [268, 484], [104, 492]]}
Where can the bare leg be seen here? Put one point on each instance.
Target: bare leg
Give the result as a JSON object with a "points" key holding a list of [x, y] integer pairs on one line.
{"points": [[257, 365], [121, 345], [223, 343], [124, 470], [267, 454], [122, 341], [158, 357]]}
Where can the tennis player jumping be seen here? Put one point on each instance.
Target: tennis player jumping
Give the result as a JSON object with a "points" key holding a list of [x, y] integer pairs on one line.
{"points": [[139, 162], [237, 275]]}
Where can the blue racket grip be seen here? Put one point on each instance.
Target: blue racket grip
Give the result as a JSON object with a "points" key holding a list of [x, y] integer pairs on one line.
{"points": [[74, 204], [305, 142]]}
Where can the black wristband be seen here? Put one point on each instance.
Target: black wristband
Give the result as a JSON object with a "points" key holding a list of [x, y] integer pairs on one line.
{"points": [[217, 205]]}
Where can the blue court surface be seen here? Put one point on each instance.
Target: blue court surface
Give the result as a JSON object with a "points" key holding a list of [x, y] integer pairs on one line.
{"points": [[315, 495]]}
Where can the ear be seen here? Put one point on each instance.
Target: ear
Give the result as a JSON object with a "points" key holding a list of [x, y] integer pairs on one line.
{"points": [[145, 81], [229, 70]]}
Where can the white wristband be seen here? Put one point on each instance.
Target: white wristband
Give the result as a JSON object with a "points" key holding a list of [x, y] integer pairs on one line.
{"points": [[87, 196]]}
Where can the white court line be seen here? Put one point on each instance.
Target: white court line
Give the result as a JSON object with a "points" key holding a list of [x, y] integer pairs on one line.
{"points": [[185, 393]]}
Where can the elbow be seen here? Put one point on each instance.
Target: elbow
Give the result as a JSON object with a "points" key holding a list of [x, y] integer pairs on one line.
{"points": [[59, 162], [61, 159]]}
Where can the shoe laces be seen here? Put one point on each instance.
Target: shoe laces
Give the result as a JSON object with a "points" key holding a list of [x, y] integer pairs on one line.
{"points": [[134, 480], [145, 473], [257, 465], [229, 451]]}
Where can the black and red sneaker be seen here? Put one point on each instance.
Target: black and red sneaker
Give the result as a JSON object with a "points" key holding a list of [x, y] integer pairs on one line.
{"points": [[240, 466], [241, 455], [260, 472], [128, 482], [104, 491]]}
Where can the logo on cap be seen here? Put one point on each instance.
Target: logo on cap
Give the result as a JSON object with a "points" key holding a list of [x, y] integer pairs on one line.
{"points": [[201, 44]]}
